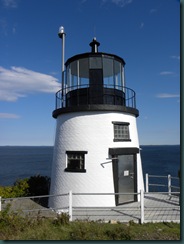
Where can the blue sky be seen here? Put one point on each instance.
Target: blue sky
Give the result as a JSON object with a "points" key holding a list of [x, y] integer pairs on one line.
{"points": [[145, 33]]}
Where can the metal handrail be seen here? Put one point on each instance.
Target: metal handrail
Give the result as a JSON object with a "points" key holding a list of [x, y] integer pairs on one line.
{"points": [[158, 176], [142, 207], [128, 94], [168, 185]]}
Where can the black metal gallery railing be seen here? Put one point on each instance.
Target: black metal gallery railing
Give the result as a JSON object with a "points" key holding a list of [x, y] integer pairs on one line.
{"points": [[95, 94]]}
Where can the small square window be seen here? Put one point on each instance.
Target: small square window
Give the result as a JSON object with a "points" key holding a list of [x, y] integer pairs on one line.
{"points": [[75, 161], [121, 131]]}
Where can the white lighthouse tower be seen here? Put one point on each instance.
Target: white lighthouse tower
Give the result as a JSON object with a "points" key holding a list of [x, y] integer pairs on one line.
{"points": [[96, 143]]}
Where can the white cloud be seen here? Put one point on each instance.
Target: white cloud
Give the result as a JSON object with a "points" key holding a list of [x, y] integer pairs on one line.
{"points": [[18, 82], [9, 3], [166, 73], [167, 95], [9, 116]]}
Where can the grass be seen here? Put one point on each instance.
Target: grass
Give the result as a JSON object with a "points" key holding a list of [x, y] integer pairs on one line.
{"points": [[15, 227]]}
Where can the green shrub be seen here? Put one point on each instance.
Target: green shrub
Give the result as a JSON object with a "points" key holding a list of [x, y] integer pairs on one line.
{"points": [[19, 189], [11, 223], [118, 232], [38, 185], [99, 231], [34, 186], [86, 231], [15, 227], [62, 219], [6, 192]]}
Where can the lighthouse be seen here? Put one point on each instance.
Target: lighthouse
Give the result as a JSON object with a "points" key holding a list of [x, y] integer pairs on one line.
{"points": [[96, 152]]}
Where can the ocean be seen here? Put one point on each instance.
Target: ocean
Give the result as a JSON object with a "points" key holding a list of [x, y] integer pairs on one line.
{"points": [[19, 162]]}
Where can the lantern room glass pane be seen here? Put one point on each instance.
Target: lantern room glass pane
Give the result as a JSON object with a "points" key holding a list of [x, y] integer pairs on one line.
{"points": [[68, 76], [74, 73], [118, 74], [84, 72], [78, 74], [108, 73]]}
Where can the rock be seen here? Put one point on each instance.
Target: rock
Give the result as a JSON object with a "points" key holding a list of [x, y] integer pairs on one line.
{"points": [[113, 221]]}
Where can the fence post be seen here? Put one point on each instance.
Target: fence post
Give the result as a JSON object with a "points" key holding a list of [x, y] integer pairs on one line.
{"points": [[0, 204], [169, 184], [70, 205], [147, 182], [142, 206]]}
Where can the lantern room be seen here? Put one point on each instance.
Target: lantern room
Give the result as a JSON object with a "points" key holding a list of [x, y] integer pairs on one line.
{"points": [[95, 78]]}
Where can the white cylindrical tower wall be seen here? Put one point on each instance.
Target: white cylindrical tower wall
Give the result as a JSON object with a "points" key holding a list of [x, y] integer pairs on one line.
{"points": [[90, 131]]}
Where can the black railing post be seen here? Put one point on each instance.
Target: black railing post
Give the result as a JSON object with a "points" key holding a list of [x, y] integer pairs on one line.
{"points": [[134, 100], [56, 100]]}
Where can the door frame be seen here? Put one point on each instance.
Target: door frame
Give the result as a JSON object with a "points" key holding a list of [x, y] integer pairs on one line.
{"points": [[114, 152]]}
